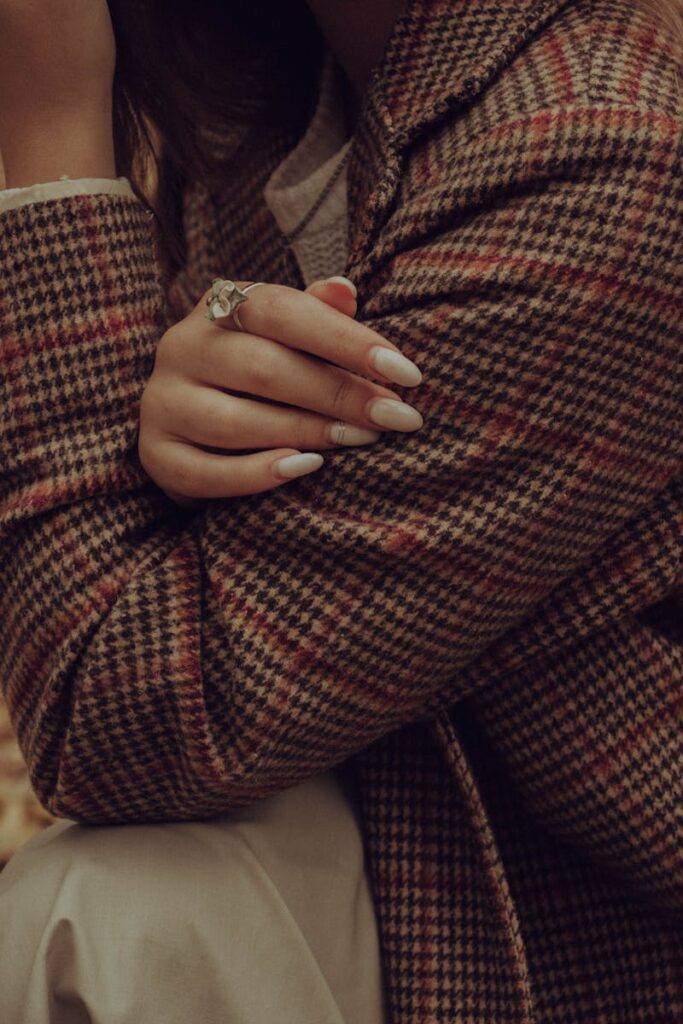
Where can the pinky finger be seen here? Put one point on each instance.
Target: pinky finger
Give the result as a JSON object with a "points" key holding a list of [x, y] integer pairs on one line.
{"points": [[190, 475]]}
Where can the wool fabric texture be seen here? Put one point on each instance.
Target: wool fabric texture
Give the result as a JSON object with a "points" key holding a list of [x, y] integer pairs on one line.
{"points": [[484, 617]]}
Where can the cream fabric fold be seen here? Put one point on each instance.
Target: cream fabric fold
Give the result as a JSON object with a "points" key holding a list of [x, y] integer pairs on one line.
{"points": [[230, 921]]}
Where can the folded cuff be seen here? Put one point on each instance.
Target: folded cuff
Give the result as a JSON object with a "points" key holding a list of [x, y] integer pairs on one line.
{"points": [[11, 198]]}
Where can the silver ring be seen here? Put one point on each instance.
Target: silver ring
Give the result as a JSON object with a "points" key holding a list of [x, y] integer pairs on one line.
{"points": [[338, 431], [235, 314], [226, 296]]}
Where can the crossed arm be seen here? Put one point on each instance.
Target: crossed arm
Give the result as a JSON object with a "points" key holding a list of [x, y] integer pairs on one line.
{"points": [[163, 665]]}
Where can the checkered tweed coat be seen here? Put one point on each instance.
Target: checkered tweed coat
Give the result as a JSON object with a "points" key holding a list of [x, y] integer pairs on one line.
{"points": [[485, 618]]}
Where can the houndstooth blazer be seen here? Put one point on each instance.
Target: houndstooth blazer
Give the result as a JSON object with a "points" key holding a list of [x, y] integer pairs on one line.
{"points": [[483, 619]]}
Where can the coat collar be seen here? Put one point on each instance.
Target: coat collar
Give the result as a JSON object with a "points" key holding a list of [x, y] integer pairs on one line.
{"points": [[441, 55]]}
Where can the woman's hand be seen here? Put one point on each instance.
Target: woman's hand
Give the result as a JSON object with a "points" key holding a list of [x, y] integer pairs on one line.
{"points": [[57, 60], [304, 355]]}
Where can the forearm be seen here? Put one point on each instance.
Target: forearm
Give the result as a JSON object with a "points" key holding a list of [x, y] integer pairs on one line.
{"points": [[189, 666], [82, 147], [70, 487], [57, 63]]}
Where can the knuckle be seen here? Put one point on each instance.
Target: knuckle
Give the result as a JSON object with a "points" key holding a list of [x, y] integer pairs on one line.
{"points": [[341, 344], [186, 479], [224, 417], [147, 400], [148, 454], [306, 435], [275, 306], [157, 406], [169, 345], [341, 394], [339, 338], [262, 373], [164, 408]]}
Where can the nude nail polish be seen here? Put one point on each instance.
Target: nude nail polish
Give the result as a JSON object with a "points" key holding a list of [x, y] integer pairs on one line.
{"points": [[395, 366], [298, 465], [393, 415]]}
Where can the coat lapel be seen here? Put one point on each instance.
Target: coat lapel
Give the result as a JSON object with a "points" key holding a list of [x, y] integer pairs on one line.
{"points": [[441, 55]]}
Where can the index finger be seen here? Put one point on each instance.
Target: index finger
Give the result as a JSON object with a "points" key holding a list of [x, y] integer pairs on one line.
{"points": [[301, 321]]}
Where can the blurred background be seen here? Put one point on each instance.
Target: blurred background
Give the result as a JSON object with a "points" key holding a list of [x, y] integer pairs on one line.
{"points": [[21, 816]]}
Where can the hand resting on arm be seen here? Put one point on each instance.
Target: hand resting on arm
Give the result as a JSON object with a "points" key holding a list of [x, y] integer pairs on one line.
{"points": [[199, 402]]}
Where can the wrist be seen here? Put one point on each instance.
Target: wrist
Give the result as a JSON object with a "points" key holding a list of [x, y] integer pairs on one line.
{"points": [[37, 153]]}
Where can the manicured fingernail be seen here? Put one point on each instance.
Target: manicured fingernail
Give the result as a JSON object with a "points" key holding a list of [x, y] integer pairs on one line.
{"points": [[298, 465], [345, 281], [347, 433], [386, 412], [395, 367]]}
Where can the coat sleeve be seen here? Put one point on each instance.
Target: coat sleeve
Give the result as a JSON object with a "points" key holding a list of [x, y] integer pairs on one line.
{"points": [[162, 667]]}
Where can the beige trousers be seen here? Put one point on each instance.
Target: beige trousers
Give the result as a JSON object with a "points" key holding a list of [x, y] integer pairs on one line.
{"points": [[262, 917]]}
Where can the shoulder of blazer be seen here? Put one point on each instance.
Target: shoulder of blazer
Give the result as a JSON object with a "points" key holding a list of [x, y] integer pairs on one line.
{"points": [[443, 56], [455, 72]]}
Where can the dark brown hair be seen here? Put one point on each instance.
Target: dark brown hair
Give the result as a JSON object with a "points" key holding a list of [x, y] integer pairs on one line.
{"points": [[185, 67], [182, 66]]}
